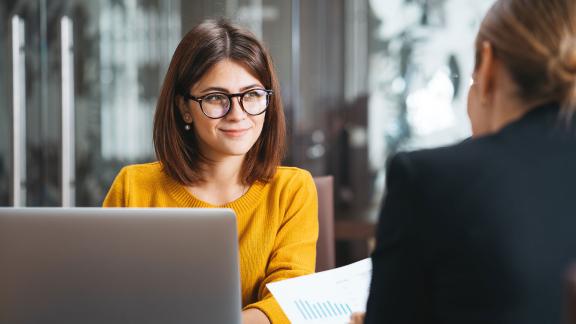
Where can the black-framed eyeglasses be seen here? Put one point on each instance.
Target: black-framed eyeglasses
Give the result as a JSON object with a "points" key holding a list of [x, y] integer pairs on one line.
{"points": [[216, 105]]}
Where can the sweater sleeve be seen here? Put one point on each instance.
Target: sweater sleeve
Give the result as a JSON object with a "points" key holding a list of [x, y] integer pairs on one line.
{"points": [[116, 196], [294, 252]]}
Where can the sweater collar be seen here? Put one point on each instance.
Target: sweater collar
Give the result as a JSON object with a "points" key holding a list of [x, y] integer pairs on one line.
{"points": [[186, 199]]}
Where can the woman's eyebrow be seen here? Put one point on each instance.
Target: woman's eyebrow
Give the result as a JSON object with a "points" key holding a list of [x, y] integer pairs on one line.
{"points": [[214, 89], [218, 89], [251, 87]]}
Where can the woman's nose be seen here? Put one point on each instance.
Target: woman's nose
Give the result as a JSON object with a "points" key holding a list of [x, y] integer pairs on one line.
{"points": [[236, 110]]}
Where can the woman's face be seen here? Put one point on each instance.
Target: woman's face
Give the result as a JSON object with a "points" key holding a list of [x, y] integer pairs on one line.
{"points": [[235, 133]]}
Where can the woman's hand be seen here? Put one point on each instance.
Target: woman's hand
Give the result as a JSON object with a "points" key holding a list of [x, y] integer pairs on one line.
{"points": [[254, 316], [357, 318]]}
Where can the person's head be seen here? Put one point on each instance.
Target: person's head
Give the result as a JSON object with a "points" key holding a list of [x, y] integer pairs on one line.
{"points": [[197, 123], [525, 52]]}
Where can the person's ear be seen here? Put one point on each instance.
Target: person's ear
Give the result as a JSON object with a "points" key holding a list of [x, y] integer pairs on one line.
{"points": [[184, 109], [484, 76]]}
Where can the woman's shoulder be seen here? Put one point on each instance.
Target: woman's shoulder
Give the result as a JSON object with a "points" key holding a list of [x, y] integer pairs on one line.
{"points": [[291, 177], [145, 172], [133, 185], [285, 173], [143, 168]]}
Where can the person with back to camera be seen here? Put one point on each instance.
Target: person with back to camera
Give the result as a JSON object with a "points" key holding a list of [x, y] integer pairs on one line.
{"points": [[483, 231], [219, 136]]}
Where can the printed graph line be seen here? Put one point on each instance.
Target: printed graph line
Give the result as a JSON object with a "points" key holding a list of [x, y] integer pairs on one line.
{"points": [[338, 309], [316, 308], [327, 309], [322, 310], [333, 311], [311, 310], [349, 309], [302, 310]]}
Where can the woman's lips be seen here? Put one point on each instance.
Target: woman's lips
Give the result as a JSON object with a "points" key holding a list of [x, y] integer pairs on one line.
{"points": [[236, 132]]}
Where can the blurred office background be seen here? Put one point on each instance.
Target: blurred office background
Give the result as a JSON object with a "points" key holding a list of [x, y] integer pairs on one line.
{"points": [[361, 79]]}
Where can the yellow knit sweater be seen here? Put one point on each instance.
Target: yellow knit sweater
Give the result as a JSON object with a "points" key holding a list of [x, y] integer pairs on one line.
{"points": [[277, 224]]}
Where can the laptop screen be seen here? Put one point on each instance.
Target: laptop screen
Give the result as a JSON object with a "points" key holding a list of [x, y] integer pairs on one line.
{"points": [[114, 265]]}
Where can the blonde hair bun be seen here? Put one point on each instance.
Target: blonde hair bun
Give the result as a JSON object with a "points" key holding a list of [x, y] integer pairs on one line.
{"points": [[563, 68]]}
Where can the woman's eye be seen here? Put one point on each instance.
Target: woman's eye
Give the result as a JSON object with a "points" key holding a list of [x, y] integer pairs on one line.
{"points": [[255, 94], [215, 98]]}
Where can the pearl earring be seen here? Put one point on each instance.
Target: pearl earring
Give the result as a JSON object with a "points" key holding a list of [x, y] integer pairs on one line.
{"points": [[187, 127]]}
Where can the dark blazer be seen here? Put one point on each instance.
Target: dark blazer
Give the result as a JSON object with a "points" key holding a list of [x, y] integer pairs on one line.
{"points": [[479, 232]]}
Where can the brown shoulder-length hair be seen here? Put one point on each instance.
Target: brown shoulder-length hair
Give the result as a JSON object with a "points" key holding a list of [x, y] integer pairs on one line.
{"points": [[201, 48], [536, 41]]}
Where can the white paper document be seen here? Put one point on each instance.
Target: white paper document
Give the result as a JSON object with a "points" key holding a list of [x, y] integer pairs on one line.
{"points": [[325, 297]]}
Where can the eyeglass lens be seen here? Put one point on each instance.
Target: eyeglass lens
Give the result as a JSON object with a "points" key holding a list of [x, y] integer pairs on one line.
{"points": [[217, 105]]}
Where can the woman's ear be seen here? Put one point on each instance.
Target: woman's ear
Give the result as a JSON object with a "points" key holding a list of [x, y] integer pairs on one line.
{"points": [[484, 75], [184, 109]]}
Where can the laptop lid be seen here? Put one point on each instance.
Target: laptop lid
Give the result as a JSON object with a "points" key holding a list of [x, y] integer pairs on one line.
{"points": [[116, 265]]}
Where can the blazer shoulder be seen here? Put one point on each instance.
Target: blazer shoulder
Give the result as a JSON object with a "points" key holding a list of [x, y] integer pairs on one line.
{"points": [[464, 152], [445, 166]]}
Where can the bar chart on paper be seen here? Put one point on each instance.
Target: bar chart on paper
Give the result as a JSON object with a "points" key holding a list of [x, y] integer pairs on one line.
{"points": [[326, 297], [322, 310]]}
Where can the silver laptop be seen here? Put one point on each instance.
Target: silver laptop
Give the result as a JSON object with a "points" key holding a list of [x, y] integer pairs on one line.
{"points": [[113, 265]]}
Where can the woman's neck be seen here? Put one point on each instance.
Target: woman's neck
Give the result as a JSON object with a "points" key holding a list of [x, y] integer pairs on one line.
{"points": [[222, 183], [511, 110], [224, 172]]}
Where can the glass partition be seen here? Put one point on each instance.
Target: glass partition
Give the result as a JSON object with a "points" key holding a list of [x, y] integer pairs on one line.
{"points": [[122, 53], [361, 80]]}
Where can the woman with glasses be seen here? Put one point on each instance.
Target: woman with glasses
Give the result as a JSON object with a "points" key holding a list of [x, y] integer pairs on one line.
{"points": [[219, 136]]}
